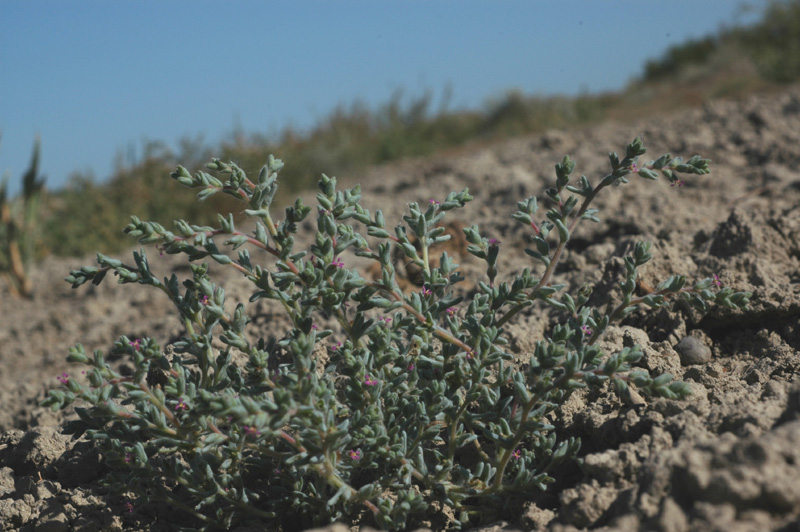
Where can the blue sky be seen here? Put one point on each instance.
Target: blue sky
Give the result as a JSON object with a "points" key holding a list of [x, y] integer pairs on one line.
{"points": [[94, 78]]}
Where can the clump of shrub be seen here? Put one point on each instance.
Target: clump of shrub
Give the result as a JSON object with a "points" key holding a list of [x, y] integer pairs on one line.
{"points": [[410, 407]]}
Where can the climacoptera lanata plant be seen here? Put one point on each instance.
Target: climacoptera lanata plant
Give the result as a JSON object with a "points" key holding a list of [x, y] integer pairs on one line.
{"points": [[410, 405]]}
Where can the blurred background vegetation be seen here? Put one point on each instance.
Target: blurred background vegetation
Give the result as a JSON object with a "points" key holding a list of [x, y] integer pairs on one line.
{"points": [[86, 216]]}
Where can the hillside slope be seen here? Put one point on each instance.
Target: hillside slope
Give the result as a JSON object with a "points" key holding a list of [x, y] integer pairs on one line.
{"points": [[726, 460]]}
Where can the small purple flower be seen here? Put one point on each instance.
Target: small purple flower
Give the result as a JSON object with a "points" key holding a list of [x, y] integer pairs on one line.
{"points": [[426, 291], [434, 202], [384, 319], [136, 344], [63, 378], [336, 346], [181, 405], [355, 454], [204, 301], [517, 454], [451, 311], [129, 506], [634, 168], [411, 367], [717, 282], [370, 382], [314, 326], [586, 330], [128, 457], [338, 262], [494, 242], [678, 183], [251, 431]]}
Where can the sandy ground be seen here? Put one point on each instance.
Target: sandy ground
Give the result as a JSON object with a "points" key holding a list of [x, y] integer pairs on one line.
{"points": [[726, 460]]}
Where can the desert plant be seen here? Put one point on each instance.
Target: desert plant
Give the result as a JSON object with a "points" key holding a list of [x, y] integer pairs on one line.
{"points": [[18, 224], [410, 405], [774, 43]]}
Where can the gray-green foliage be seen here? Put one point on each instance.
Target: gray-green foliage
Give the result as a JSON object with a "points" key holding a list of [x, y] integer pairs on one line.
{"points": [[412, 404]]}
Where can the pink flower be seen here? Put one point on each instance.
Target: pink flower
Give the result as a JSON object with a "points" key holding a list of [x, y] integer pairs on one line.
{"points": [[129, 506], [426, 291], [338, 262], [370, 382], [451, 311], [204, 301], [251, 431], [586, 330], [717, 282], [517, 454], [434, 202], [678, 183], [494, 242], [355, 455], [63, 378], [136, 344], [181, 405]]}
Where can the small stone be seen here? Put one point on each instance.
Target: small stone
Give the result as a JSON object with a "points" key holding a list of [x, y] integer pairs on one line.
{"points": [[693, 351], [53, 522], [6, 481], [672, 518]]}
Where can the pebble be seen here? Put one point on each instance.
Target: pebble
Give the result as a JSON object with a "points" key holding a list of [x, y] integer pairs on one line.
{"points": [[693, 351]]}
